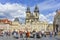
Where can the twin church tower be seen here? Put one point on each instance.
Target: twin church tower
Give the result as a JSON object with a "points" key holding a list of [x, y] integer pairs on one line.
{"points": [[31, 17]]}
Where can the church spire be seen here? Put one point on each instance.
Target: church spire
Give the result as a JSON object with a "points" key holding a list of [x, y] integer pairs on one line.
{"points": [[36, 9], [28, 10]]}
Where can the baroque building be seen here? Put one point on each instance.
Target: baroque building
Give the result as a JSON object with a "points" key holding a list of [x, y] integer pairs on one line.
{"points": [[15, 25], [56, 22], [5, 24]]}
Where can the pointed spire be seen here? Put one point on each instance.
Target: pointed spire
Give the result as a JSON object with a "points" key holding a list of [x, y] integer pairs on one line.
{"points": [[58, 12], [16, 19], [28, 10], [36, 9]]}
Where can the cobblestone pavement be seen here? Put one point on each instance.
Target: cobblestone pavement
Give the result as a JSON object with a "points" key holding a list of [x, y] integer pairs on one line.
{"points": [[43, 38]]}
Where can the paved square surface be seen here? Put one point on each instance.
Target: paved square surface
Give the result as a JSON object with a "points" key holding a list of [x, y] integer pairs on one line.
{"points": [[43, 38]]}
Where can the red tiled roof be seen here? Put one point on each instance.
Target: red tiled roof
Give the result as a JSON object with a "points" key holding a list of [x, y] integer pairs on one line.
{"points": [[5, 21]]}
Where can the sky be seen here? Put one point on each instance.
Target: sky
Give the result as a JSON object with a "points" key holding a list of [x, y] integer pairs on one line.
{"points": [[17, 8]]}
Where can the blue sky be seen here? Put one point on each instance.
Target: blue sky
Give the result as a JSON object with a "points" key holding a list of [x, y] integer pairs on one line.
{"points": [[26, 2], [16, 8]]}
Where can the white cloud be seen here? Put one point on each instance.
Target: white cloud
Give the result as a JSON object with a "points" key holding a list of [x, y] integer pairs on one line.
{"points": [[18, 10], [49, 4], [1, 13], [51, 14], [43, 18], [50, 22], [47, 17], [3, 7], [13, 10]]}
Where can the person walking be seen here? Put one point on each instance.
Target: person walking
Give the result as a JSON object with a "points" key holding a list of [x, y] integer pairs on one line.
{"points": [[51, 33]]}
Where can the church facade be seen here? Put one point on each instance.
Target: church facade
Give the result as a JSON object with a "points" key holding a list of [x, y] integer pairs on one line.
{"points": [[32, 20]]}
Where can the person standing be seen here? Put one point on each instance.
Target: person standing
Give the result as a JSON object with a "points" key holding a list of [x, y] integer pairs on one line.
{"points": [[34, 34], [42, 33], [16, 35], [21, 34], [27, 35], [55, 33]]}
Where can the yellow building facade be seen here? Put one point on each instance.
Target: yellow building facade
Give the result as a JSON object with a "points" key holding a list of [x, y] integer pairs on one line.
{"points": [[50, 27], [15, 26]]}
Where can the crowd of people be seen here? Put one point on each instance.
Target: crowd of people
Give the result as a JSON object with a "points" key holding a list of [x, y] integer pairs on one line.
{"points": [[28, 34]]}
